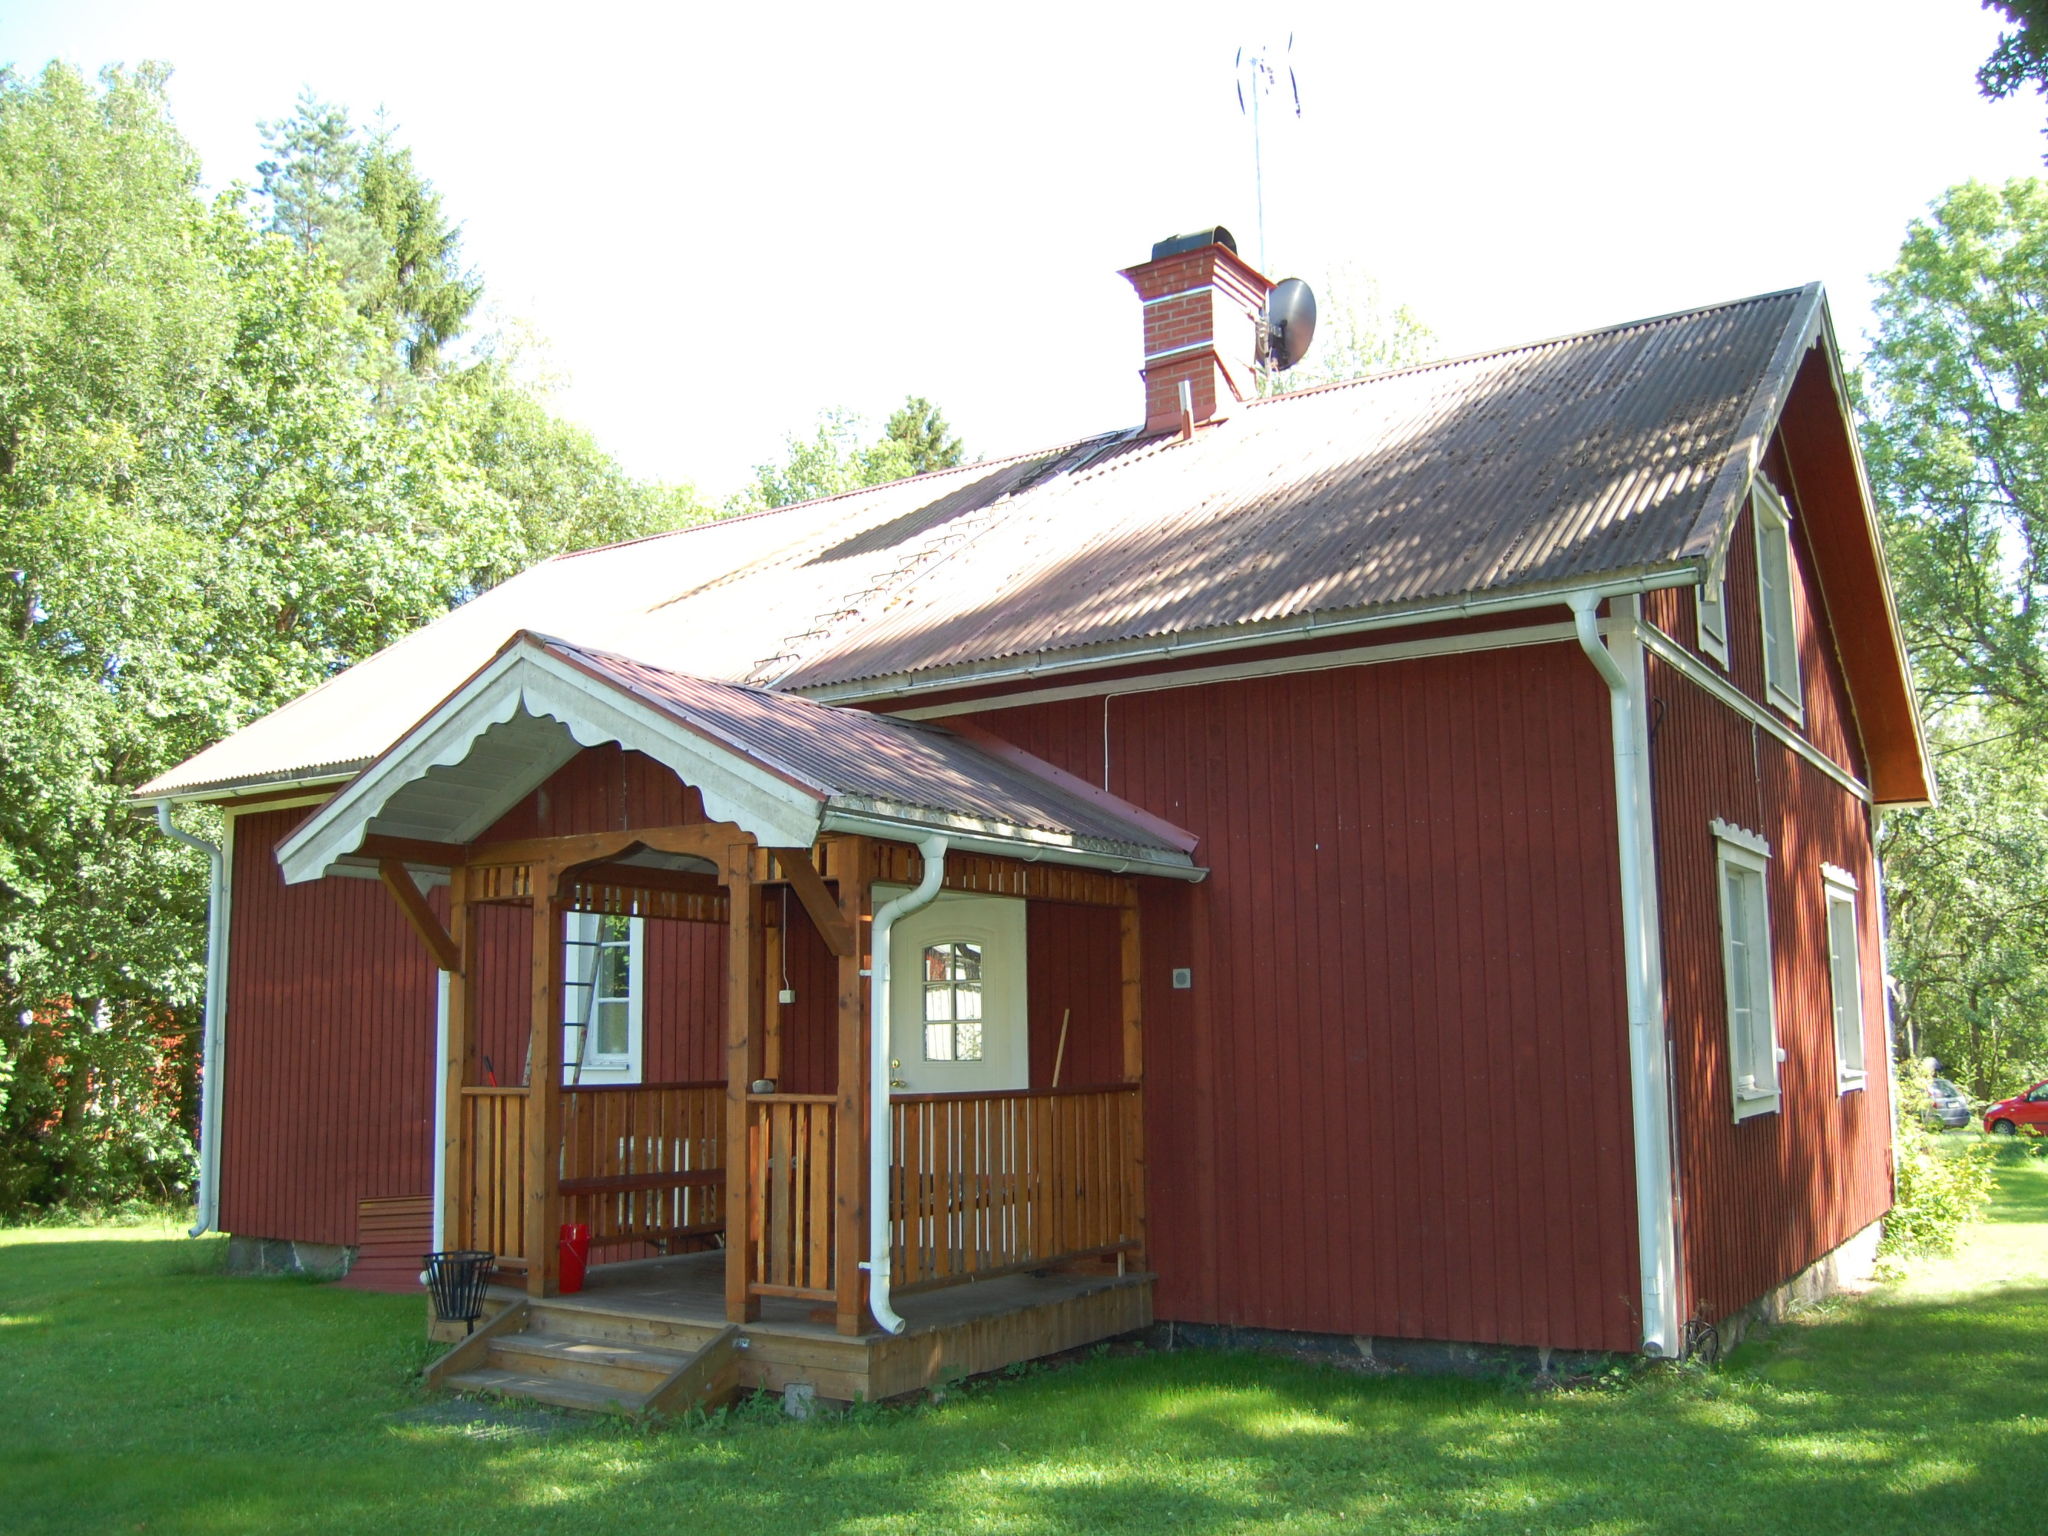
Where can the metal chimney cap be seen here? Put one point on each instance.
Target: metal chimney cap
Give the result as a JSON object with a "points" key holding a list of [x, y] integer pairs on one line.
{"points": [[1199, 239]]}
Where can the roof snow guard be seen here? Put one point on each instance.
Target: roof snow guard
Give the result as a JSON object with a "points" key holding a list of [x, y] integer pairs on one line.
{"points": [[780, 767]]}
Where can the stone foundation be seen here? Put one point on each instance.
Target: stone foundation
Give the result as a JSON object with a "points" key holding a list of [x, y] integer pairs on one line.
{"points": [[284, 1256], [1845, 1268], [1377, 1355]]}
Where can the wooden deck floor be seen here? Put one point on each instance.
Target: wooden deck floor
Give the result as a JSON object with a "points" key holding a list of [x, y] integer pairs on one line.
{"points": [[961, 1330]]}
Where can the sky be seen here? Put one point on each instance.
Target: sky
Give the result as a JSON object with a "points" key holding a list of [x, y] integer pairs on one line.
{"points": [[722, 221]]}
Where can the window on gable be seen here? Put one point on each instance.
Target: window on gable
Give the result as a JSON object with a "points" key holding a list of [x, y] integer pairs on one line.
{"points": [[1710, 606], [1774, 598], [1845, 975], [601, 1001], [1743, 862], [952, 1002]]}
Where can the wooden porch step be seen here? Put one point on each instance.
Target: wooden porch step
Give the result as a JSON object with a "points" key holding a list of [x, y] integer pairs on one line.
{"points": [[591, 1361], [583, 1320], [594, 1362], [580, 1395]]}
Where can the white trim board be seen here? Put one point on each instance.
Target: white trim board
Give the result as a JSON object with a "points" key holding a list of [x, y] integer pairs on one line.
{"points": [[1689, 666], [591, 713], [1282, 666]]}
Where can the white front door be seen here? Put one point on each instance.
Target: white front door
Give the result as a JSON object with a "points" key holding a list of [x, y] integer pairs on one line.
{"points": [[957, 996]]}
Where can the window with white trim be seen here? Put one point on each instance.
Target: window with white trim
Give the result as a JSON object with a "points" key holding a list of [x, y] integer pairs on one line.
{"points": [[601, 996], [952, 1002], [1743, 865], [1710, 610], [1845, 976], [1774, 575]]}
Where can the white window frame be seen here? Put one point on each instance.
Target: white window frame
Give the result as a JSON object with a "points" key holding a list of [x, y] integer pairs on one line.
{"points": [[1777, 609], [1753, 1050], [577, 960], [1845, 977], [1710, 617], [952, 987]]}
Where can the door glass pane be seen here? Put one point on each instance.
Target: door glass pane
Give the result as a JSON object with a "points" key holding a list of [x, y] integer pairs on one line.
{"points": [[611, 1029], [967, 1041], [938, 1042]]}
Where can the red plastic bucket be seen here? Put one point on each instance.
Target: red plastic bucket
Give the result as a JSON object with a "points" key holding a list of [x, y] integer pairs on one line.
{"points": [[575, 1256]]}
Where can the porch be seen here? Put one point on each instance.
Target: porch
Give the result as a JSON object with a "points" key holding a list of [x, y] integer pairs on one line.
{"points": [[819, 1177], [583, 1350]]}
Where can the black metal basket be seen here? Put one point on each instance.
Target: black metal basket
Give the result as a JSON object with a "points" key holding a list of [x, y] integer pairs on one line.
{"points": [[456, 1281]]}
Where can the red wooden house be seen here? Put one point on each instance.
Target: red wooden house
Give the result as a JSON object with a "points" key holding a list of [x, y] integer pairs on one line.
{"points": [[1391, 861]]}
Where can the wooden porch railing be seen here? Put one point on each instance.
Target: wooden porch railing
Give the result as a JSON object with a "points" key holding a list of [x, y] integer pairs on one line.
{"points": [[644, 1162], [983, 1184], [640, 1163], [789, 1168], [490, 1201]]}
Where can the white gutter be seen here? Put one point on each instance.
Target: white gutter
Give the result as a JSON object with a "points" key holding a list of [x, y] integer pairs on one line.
{"points": [[208, 1201], [1238, 637], [933, 851], [1649, 1074]]}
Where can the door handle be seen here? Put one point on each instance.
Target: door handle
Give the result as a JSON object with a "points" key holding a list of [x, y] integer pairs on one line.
{"points": [[897, 1082]]}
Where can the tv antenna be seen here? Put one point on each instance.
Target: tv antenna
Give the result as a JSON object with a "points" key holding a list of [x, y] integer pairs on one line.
{"points": [[1258, 76]]}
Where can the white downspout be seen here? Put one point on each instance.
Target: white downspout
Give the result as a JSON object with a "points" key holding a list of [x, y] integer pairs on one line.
{"points": [[208, 1202], [1649, 1074], [933, 851]]}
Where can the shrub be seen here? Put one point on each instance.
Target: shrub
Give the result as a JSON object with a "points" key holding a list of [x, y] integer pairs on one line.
{"points": [[1938, 1185]]}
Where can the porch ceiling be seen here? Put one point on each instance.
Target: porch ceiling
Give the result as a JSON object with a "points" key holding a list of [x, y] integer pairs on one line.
{"points": [[781, 768]]}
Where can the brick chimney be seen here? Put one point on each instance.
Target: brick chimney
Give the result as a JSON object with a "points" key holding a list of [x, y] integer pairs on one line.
{"points": [[1201, 311]]}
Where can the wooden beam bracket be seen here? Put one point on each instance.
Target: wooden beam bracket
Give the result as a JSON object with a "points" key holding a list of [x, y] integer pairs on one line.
{"points": [[810, 889], [400, 884]]}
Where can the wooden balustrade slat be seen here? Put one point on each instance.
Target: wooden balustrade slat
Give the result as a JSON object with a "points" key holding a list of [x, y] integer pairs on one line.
{"points": [[990, 1183]]}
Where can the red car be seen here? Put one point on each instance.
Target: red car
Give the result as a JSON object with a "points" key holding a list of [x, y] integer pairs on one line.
{"points": [[2023, 1111]]}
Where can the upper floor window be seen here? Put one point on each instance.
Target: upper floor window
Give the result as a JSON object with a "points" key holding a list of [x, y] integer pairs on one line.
{"points": [[601, 994], [1710, 606], [1845, 975], [1743, 862], [1774, 574], [952, 1002]]}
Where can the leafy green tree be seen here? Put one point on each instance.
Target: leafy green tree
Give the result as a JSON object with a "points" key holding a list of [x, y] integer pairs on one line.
{"points": [[834, 459], [361, 203], [211, 498], [1358, 331], [2021, 56], [917, 431], [1956, 441]]}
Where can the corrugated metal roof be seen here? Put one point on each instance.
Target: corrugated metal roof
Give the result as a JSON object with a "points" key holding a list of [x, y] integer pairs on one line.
{"points": [[851, 757], [1548, 464]]}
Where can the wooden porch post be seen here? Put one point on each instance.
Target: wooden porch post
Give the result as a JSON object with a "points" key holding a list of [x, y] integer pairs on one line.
{"points": [[459, 1070], [742, 1049], [544, 1089], [849, 862], [1131, 957]]}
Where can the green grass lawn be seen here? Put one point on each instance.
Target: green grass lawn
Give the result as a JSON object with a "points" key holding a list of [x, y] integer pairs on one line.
{"points": [[140, 1390]]}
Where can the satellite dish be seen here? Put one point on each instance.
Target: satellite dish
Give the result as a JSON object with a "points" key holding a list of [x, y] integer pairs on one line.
{"points": [[1288, 325]]}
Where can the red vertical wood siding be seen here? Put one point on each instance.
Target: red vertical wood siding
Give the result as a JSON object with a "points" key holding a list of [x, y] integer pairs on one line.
{"points": [[1074, 967], [1767, 1197], [1396, 1099], [329, 1049]]}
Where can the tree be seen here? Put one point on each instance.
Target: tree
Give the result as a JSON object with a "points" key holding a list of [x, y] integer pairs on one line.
{"points": [[1357, 332], [834, 459], [917, 436], [362, 204], [2021, 55], [211, 498], [1957, 442], [1955, 437]]}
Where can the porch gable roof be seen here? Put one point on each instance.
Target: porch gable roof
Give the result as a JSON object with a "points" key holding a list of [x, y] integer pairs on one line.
{"points": [[783, 768]]}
